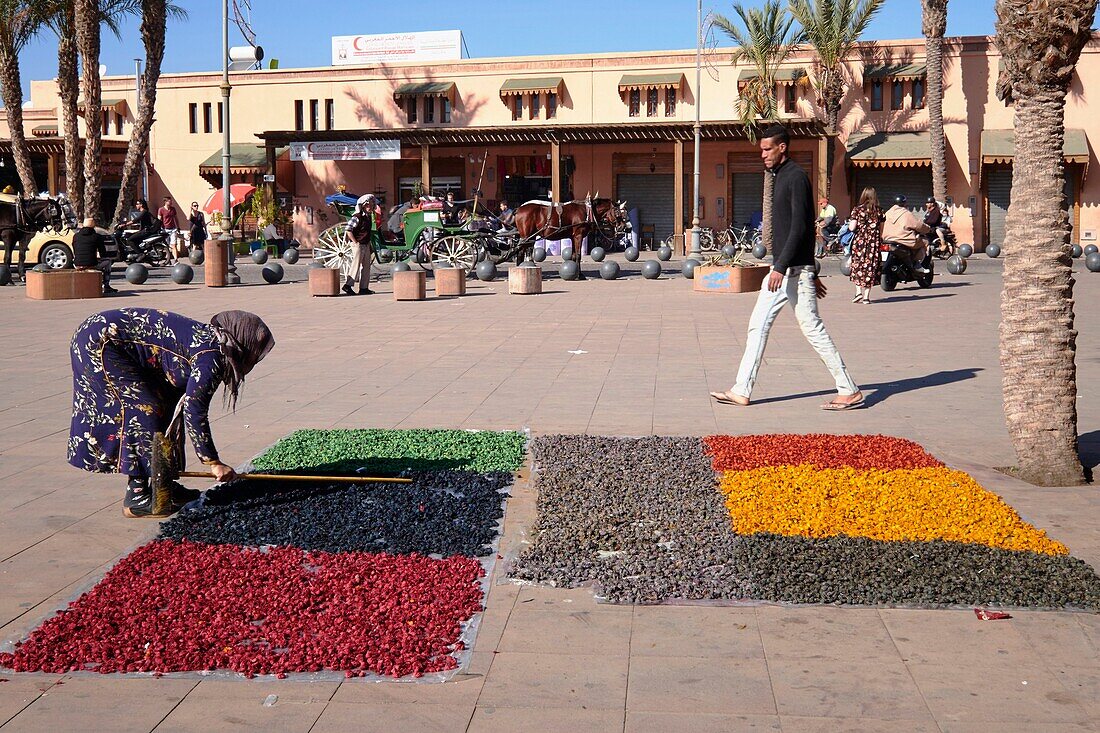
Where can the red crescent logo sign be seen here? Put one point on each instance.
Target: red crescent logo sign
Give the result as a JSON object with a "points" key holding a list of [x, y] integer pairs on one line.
{"points": [[355, 43]]}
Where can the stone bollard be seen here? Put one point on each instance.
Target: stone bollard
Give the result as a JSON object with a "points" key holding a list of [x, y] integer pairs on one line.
{"points": [[324, 281], [410, 285], [216, 271], [525, 281], [450, 281]]}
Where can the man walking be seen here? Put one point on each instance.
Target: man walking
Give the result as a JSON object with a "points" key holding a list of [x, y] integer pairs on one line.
{"points": [[791, 280], [358, 233], [169, 221]]}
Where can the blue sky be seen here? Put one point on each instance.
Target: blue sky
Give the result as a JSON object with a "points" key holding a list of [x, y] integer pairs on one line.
{"points": [[298, 33]]}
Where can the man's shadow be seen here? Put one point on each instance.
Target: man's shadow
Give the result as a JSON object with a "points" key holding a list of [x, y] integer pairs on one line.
{"points": [[881, 391]]}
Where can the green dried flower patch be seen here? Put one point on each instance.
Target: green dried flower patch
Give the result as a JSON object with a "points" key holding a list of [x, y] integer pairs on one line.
{"points": [[388, 452]]}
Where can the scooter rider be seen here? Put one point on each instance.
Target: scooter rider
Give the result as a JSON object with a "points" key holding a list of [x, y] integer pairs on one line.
{"points": [[937, 224], [904, 229], [144, 221]]}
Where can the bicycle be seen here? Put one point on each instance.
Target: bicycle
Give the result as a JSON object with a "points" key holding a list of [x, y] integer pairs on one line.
{"points": [[744, 237]]}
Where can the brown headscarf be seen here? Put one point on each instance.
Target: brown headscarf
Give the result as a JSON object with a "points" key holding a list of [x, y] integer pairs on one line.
{"points": [[245, 339]]}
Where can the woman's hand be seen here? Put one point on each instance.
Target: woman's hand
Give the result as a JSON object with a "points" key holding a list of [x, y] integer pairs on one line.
{"points": [[223, 472]]}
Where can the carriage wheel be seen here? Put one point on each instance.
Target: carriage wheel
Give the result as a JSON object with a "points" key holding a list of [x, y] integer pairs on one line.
{"points": [[453, 251], [333, 250]]}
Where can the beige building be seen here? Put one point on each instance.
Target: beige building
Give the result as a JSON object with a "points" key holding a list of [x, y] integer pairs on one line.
{"points": [[564, 126]]}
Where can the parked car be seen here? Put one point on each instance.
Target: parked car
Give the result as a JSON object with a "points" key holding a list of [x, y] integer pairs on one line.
{"points": [[55, 248]]}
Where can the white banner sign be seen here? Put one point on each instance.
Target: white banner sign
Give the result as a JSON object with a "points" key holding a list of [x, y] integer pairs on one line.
{"points": [[347, 150], [393, 47]]}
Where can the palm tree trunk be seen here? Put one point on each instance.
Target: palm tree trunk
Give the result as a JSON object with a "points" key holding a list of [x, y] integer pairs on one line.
{"points": [[86, 19], [766, 234], [832, 129], [153, 24], [12, 90], [935, 24], [68, 90], [1038, 340]]}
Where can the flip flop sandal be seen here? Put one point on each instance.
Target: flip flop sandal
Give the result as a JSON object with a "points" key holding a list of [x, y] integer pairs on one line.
{"points": [[842, 406], [724, 398]]}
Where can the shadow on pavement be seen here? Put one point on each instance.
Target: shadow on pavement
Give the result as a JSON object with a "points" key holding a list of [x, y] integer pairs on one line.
{"points": [[1088, 447], [881, 391]]}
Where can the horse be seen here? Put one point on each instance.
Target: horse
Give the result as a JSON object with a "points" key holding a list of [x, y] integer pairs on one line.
{"points": [[21, 219], [573, 220]]}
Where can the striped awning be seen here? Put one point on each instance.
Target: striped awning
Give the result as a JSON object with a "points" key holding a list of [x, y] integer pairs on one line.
{"points": [[115, 105], [999, 146], [783, 77], [899, 72], [673, 80], [890, 150], [444, 89], [44, 131], [243, 158], [532, 85]]}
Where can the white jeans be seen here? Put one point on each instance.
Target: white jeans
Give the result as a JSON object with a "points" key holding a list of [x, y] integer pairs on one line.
{"points": [[798, 289]]}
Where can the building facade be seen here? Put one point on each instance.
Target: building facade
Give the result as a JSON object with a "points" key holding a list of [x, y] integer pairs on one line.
{"points": [[564, 126]]}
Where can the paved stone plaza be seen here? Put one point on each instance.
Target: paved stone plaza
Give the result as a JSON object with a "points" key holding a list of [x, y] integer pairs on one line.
{"points": [[549, 659]]}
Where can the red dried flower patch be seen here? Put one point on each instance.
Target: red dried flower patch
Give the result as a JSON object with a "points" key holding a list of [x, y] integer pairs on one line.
{"points": [[861, 452], [173, 607]]}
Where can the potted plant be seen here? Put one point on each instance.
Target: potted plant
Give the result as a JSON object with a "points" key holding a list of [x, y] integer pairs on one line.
{"points": [[722, 274]]}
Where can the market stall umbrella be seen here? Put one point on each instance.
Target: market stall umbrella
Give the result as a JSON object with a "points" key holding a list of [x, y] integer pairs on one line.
{"points": [[238, 192]]}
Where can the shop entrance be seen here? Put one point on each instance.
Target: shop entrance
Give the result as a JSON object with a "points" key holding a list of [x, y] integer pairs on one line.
{"points": [[530, 177]]}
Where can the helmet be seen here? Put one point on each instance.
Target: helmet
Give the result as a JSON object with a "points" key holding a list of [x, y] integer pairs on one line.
{"points": [[930, 200], [899, 200]]}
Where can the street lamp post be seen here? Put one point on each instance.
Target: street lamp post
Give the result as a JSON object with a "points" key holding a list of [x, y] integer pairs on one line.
{"points": [[227, 212], [696, 251]]}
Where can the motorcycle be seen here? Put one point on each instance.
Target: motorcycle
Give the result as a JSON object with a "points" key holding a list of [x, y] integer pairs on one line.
{"points": [[152, 249], [941, 242], [897, 266]]}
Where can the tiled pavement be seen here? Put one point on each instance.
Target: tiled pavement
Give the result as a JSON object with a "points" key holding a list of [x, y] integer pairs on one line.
{"points": [[549, 659]]}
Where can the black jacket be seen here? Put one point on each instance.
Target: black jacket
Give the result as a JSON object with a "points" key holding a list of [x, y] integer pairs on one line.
{"points": [[88, 247], [793, 218]]}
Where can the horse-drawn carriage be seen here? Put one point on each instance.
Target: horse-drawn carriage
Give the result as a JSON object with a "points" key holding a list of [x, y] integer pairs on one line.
{"points": [[420, 234]]}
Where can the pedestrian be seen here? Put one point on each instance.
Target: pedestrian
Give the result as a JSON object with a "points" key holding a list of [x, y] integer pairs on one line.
{"points": [[358, 232], [198, 227], [133, 368], [791, 280], [90, 253], [169, 221], [866, 226]]}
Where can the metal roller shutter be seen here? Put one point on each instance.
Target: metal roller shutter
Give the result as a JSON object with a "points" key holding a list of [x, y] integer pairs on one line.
{"points": [[652, 195], [998, 192], [748, 196], [915, 184]]}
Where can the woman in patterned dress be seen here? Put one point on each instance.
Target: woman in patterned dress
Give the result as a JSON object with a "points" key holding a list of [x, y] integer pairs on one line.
{"points": [[866, 224], [132, 367]]}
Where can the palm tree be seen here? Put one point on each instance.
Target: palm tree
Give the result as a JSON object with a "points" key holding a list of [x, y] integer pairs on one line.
{"points": [[934, 22], [765, 38], [86, 19], [154, 22], [1038, 341], [833, 28], [62, 19], [19, 21]]}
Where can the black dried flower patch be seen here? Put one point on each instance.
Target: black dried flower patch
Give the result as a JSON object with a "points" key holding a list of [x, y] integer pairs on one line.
{"points": [[442, 513]]}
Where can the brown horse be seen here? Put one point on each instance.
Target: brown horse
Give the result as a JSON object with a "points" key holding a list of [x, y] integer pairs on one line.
{"points": [[573, 220]]}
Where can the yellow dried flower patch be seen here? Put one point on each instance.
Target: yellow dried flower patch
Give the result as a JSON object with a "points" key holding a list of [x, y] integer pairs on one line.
{"points": [[900, 504]]}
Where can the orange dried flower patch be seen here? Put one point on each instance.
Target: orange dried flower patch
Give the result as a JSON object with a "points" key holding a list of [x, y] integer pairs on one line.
{"points": [[904, 504], [746, 452]]}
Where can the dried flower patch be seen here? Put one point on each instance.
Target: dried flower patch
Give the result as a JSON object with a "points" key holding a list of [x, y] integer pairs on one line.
{"points": [[441, 513], [171, 607], [902, 504], [746, 452], [386, 452], [644, 520]]}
